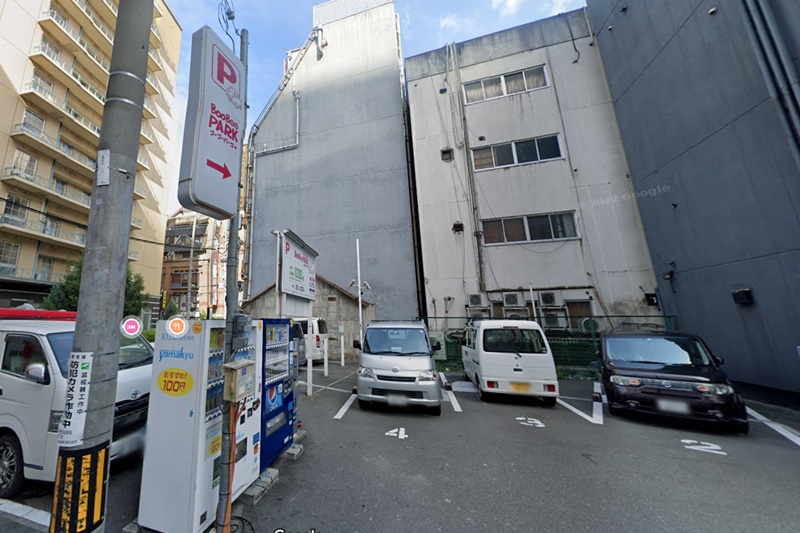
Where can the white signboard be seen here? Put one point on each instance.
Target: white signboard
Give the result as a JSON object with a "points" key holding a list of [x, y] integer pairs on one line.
{"points": [[211, 163], [299, 270], [73, 420]]}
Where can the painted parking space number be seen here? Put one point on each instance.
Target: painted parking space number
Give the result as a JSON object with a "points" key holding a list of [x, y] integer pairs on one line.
{"points": [[702, 447], [532, 422], [400, 433]]}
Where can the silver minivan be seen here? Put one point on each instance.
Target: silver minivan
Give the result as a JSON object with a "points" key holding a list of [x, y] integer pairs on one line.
{"points": [[396, 366]]}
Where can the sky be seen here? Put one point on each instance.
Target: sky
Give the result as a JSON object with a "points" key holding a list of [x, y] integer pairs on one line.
{"points": [[279, 26]]}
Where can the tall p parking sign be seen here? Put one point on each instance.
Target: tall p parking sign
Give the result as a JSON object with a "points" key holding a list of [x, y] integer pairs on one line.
{"points": [[211, 163]]}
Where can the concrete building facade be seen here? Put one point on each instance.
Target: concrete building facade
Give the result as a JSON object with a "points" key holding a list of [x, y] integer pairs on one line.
{"points": [[707, 97], [334, 304], [54, 63], [522, 182], [329, 158], [202, 262]]}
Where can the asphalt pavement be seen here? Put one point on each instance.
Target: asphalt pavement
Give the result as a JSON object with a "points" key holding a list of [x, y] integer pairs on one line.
{"points": [[510, 465]]}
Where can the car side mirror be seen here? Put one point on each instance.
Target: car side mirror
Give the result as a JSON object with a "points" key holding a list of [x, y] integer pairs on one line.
{"points": [[357, 344], [37, 373], [719, 360], [437, 346]]}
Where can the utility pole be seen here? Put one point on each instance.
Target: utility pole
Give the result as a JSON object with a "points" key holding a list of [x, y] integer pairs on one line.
{"points": [[79, 499], [191, 274], [231, 307]]}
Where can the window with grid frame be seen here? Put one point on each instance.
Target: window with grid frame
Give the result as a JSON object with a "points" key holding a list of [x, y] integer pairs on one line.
{"points": [[32, 122], [517, 153], [532, 228], [505, 85], [9, 253], [16, 210], [25, 162]]}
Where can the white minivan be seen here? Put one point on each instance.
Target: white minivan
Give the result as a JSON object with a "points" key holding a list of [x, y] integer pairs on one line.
{"points": [[510, 357], [317, 334], [33, 385]]}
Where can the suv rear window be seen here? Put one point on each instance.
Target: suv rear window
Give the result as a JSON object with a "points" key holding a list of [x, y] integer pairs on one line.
{"points": [[132, 352], [513, 340], [323, 327]]}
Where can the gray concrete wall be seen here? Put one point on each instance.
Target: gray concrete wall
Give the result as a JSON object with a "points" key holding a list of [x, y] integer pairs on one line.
{"points": [[696, 117], [348, 178], [332, 305]]}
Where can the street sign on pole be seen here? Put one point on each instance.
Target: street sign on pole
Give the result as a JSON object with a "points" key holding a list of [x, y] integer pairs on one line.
{"points": [[211, 163]]}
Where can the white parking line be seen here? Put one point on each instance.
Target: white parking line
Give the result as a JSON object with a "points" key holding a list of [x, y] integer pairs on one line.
{"points": [[345, 407], [595, 419], [454, 402], [775, 426], [326, 387]]}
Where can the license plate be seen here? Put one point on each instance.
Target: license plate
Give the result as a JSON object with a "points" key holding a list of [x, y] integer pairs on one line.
{"points": [[521, 387], [396, 400], [673, 406]]}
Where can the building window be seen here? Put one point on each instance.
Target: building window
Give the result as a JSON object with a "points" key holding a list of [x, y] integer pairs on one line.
{"points": [[532, 228], [41, 83], [25, 163], [9, 253], [517, 153], [16, 210], [45, 270], [60, 187], [33, 123], [507, 84]]}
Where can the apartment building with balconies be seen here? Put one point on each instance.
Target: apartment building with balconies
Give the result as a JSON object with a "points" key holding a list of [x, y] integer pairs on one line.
{"points": [[55, 57]]}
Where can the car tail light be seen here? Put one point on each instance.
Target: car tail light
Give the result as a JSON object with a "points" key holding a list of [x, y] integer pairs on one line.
{"points": [[491, 384], [549, 388], [318, 341]]}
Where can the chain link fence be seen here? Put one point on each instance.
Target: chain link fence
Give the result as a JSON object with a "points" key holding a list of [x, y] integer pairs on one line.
{"points": [[574, 340]]}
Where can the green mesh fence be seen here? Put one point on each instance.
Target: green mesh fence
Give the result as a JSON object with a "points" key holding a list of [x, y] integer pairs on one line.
{"points": [[574, 340]]}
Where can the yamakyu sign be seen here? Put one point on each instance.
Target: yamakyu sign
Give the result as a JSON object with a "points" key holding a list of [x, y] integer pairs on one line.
{"points": [[299, 267]]}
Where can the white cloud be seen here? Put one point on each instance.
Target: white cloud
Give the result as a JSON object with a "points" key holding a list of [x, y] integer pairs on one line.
{"points": [[408, 31], [507, 7], [453, 23], [554, 7]]}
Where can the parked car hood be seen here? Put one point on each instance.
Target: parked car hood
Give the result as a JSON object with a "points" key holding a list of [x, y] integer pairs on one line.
{"points": [[673, 372]]}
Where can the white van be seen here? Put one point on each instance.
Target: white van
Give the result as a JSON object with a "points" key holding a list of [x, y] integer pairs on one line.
{"points": [[318, 333], [33, 385], [510, 357]]}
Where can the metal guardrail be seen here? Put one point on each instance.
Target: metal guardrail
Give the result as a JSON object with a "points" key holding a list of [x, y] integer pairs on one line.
{"points": [[48, 226], [78, 196]]}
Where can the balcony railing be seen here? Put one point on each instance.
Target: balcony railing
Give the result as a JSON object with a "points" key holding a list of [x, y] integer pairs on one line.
{"points": [[99, 24], [155, 58], [153, 81], [94, 54], [53, 55], [55, 143], [45, 183], [65, 25], [46, 92], [48, 226], [140, 191], [136, 221], [82, 120], [62, 21], [143, 160], [7, 271]]}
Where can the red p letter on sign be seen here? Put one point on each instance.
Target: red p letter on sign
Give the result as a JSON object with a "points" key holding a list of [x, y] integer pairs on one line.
{"points": [[224, 72]]}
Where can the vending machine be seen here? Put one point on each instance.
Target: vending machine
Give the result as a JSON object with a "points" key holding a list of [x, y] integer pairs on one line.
{"points": [[182, 464], [278, 412]]}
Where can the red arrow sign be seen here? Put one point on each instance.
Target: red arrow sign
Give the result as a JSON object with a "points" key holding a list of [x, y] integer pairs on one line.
{"points": [[223, 169]]}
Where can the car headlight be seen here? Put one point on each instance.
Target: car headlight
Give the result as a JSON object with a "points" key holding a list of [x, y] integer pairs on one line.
{"points": [[365, 372], [626, 381], [713, 388], [428, 375]]}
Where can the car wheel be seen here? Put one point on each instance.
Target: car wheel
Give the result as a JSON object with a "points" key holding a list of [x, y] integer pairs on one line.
{"points": [[548, 401], [363, 404], [482, 395], [11, 474], [740, 427], [436, 411]]}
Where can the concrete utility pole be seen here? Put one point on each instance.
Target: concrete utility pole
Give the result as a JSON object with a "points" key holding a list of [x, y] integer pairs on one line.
{"points": [[189, 312], [79, 502], [231, 307]]}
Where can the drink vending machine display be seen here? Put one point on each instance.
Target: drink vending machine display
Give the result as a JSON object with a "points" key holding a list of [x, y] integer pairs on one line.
{"points": [[181, 471], [278, 411]]}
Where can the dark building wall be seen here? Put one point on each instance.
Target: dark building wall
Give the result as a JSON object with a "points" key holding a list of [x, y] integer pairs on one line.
{"points": [[698, 123]]}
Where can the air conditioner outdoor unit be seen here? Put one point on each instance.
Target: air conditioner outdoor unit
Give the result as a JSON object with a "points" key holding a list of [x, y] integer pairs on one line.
{"points": [[476, 300], [594, 325], [478, 312], [513, 299], [516, 312], [555, 319], [551, 299], [495, 297]]}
